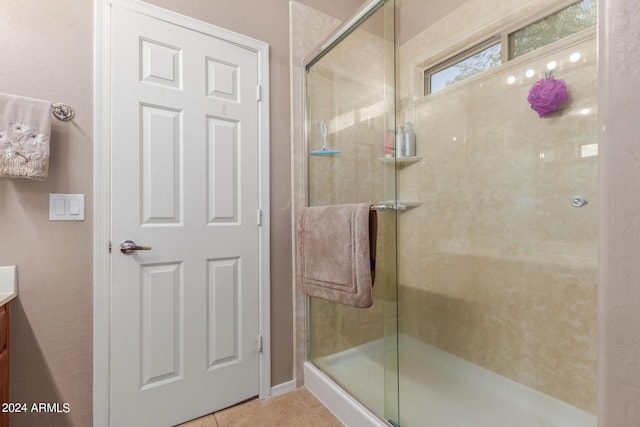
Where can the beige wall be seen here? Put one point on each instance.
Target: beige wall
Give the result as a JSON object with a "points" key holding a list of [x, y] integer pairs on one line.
{"points": [[47, 53], [340, 9], [47, 50], [619, 392]]}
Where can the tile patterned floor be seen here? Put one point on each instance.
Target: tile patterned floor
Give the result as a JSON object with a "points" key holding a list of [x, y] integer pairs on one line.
{"points": [[298, 408]]}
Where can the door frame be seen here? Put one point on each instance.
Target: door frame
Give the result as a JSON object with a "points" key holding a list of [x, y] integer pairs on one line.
{"points": [[102, 189]]}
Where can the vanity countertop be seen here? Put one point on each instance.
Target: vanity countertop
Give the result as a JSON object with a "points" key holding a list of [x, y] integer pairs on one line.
{"points": [[8, 285]]}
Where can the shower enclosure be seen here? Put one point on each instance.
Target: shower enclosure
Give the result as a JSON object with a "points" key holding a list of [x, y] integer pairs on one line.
{"points": [[485, 301]]}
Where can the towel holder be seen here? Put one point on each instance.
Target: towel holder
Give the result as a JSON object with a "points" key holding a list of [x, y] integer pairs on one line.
{"points": [[62, 112], [395, 207]]}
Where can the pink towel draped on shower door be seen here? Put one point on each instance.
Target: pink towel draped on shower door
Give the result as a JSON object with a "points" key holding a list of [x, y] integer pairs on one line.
{"points": [[336, 253]]}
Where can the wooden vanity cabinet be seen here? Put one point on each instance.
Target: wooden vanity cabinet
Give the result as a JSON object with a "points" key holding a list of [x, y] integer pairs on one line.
{"points": [[4, 363]]}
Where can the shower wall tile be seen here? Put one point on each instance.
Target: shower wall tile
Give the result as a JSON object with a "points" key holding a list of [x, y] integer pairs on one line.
{"points": [[308, 27], [347, 89], [496, 265]]}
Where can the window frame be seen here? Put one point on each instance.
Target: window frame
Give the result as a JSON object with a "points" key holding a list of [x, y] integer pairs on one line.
{"points": [[459, 57], [501, 36], [506, 35]]}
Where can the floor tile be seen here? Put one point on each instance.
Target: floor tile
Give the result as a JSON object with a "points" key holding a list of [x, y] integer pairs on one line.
{"points": [[206, 421], [308, 398], [298, 408]]}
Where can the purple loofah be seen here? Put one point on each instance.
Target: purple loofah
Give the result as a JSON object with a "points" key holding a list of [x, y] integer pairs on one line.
{"points": [[546, 95]]}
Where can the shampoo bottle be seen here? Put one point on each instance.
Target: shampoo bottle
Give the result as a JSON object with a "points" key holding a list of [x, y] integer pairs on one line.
{"points": [[409, 142], [388, 145], [399, 141]]}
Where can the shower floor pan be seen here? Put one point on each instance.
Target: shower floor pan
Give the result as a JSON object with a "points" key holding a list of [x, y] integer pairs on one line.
{"points": [[438, 389]]}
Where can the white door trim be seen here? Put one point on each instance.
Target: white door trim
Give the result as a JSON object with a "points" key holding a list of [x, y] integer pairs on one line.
{"points": [[102, 189]]}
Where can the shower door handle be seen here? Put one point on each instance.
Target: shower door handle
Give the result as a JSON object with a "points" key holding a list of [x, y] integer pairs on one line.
{"points": [[129, 246]]}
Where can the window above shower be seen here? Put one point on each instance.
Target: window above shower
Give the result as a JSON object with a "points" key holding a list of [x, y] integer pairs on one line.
{"points": [[510, 43], [472, 61]]}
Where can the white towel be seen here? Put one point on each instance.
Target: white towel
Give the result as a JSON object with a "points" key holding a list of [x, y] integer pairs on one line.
{"points": [[25, 129]]}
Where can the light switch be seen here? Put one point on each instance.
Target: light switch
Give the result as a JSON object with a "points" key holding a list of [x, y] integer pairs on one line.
{"points": [[74, 207], [66, 207], [60, 207]]}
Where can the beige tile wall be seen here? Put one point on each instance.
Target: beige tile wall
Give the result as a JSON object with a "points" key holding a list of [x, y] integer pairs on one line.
{"points": [[347, 89], [496, 265], [619, 91], [307, 28]]}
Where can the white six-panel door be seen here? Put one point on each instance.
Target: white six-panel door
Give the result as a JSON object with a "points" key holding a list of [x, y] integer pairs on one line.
{"points": [[185, 183]]}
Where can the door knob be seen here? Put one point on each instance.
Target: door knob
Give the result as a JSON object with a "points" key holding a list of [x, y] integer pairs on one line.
{"points": [[129, 246]]}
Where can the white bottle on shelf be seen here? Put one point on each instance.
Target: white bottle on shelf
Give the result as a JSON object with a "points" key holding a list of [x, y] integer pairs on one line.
{"points": [[400, 142], [409, 142]]}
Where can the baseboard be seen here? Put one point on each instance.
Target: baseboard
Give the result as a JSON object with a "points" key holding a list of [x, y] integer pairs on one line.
{"points": [[283, 388]]}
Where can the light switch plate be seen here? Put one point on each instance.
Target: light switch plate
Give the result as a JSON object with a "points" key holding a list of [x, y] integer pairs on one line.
{"points": [[66, 207]]}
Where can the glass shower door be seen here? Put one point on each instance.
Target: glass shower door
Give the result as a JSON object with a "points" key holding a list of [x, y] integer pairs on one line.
{"points": [[498, 265], [350, 93]]}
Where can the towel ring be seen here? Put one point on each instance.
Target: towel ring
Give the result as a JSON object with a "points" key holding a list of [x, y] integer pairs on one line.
{"points": [[62, 112]]}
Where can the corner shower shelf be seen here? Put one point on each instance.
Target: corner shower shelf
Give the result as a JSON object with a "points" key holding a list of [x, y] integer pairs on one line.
{"points": [[327, 153], [402, 161]]}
